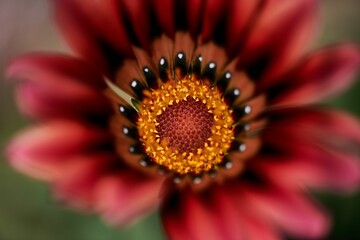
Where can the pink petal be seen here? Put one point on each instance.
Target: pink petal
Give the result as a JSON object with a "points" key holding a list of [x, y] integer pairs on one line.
{"points": [[76, 184], [279, 37], [322, 169], [60, 99], [42, 150], [93, 29], [192, 214], [288, 210], [46, 66], [56, 85], [320, 149], [239, 220], [320, 75], [212, 215], [124, 197]]}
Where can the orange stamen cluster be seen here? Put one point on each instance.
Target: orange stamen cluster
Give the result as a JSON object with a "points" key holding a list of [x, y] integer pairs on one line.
{"points": [[185, 126]]}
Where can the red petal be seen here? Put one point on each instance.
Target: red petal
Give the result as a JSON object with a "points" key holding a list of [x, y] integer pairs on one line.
{"points": [[240, 15], [320, 75], [92, 26], [75, 185], [320, 150], [290, 211], [47, 66], [62, 99], [124, 197], [212, 215], [193, 214], [213, 12], [41, 151], [279, 37], [164, 11], [239, 218], [137, 11]]}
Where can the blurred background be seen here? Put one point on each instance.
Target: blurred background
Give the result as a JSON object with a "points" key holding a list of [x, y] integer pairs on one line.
{"points": [[27, 210]]}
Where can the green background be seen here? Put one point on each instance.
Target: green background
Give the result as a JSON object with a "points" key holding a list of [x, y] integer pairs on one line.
{"points": [[27, 210]]}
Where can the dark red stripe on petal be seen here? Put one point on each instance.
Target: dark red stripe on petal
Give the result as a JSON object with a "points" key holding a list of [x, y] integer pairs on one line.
{"points": [[279, 37], [322, 74]]}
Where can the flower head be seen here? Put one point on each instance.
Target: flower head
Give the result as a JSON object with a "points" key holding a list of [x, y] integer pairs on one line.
{"points": [[205, 109]]}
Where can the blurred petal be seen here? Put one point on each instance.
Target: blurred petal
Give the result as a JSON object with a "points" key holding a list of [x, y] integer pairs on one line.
{"points": [[94, 30], [46, 66], [125, 196], [280, 36], [289, 210], [320, 150], [322, 74], [75, 185], [192, 214], [60, 99], [40, 151]]}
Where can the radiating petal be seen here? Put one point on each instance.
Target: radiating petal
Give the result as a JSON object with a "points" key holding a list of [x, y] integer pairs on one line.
{"points": [[322, 74], [76, 184], [125, 196], [241, 13], [94, 30], [279, 37], [40, 151], [194, 215], [60, 99], [290, 211], [46, 66]]}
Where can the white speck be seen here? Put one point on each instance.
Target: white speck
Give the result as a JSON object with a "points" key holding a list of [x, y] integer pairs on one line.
{"points": [[212, 65], [236, 92], [125, 130], [122, 109], [228, 165], [228, 75], [143, 163], [242, 147], [146, 69], [197, 180], [200, 58], [134, 84], [247, 109], [162, 61], [247, 127], [180, 55], [177, 180]]}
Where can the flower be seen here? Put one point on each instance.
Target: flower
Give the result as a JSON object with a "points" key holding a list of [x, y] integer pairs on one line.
{"points": [[205, 109]]}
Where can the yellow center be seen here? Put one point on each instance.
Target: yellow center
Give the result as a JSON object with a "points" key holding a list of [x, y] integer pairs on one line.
{"points": [[185, 126]]}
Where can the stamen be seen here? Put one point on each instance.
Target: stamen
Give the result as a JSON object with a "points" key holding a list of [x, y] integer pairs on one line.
{"points": [[196, 67], [129, 113], [240, 112], [131, 132], [180, 65], [150, 77], [238, 146], [138, 88], [232, 95], [223, 82], [146, 162], [163, 69], [136, 149], [210, 71]]}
